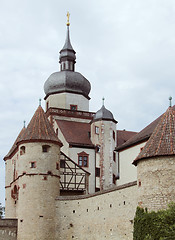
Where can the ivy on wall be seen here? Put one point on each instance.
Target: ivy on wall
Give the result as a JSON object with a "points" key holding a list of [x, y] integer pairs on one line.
{"points": [[155, 225]]}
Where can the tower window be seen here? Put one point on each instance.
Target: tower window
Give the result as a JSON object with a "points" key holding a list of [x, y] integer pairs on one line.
{"points": [[73, 107], [114, 135], [96, 130], [83, 159], [22, 150], [114, 179], [33, 164], [97, 172], [45, 148], [114, 156], [57, 166]]}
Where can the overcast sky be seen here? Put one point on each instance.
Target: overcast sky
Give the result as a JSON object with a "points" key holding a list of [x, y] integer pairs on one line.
{"points": [[125, 48]]}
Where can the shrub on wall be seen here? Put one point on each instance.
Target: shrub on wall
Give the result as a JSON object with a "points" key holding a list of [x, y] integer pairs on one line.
{"points": [[155, 225]]}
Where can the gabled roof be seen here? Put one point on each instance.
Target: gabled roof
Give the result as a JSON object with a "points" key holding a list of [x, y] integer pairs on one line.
{"points": [[142, 136], [123, 136], [162, 140], [40, 129], [76, 133], [14, 147]]}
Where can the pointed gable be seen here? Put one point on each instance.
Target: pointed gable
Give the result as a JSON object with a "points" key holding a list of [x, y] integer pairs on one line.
{"points": [[14, 147], [162, 140], [40, 129]]}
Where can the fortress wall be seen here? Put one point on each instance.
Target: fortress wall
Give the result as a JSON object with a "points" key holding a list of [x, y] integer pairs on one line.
{"points": [[156, 178], [8, 229], [104, 215]]}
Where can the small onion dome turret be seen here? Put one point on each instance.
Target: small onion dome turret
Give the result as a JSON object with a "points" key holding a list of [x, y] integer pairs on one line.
{"points": [[103, 114]]}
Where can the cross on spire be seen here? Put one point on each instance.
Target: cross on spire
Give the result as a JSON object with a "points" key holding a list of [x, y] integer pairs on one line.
{"points": [[39, 101], [24, 123], [68, 16]]}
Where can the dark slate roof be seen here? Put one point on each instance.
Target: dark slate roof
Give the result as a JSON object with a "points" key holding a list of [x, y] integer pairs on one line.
{"points": [[67, 81], [162, 140], [104, 114], [123, 136], [14, 147], [76, 133], [40, 129]]}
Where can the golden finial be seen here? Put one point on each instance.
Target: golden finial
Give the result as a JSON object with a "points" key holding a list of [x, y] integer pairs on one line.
{"points": [[68, 16]]}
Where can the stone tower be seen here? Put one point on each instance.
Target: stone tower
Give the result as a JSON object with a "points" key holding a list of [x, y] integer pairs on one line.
{"points": [[36, 179], [103, 136], [156, 165]]}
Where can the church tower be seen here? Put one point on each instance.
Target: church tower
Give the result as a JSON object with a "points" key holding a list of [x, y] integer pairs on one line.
{"points": [[67, 89], [36, 181]]}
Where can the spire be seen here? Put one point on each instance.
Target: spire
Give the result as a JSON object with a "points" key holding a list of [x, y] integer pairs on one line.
{"points": [[39, 129], [67, 53]]}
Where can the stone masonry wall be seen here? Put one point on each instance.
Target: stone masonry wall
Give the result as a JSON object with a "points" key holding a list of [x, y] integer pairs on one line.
{"points": [[104, 215], [8, 229], [156, 179]]}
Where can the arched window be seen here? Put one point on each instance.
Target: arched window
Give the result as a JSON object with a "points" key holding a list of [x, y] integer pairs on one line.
{"points": [[83, 159], [22, 150], [45, 148]]}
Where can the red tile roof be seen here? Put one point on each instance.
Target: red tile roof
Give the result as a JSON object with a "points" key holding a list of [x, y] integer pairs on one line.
{"points": [[123, 136], [142, 136], [40, 129], [14, 147], [162, 140], [76, 133]]}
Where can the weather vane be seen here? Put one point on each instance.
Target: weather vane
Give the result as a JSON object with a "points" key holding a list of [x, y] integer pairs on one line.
{"points": [[68, 16], [170, 98], [103, 101]]}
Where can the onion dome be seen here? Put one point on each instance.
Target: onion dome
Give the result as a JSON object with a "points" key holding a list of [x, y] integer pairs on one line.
{"points": [[162, 141], [67, 80], [103, 114], [39, 130]]}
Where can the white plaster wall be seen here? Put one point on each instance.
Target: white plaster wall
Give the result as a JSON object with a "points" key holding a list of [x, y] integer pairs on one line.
{"points": [[64, 100], [73, 154], [127, 171]]}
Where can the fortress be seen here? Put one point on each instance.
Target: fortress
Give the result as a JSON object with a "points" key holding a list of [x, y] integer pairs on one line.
{"points": [[72, 175]]}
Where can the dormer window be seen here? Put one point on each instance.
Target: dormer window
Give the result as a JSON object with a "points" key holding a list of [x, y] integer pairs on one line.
{"points": [[73, 107], [45, 148], [22, 150]]}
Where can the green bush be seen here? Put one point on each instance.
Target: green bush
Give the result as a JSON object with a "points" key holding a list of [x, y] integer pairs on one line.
{"points": [[155, 225]]}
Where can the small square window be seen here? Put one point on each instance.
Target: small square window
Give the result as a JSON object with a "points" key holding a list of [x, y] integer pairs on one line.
{"points": [[73, 107], [33, 164], [96, 130]]}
